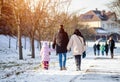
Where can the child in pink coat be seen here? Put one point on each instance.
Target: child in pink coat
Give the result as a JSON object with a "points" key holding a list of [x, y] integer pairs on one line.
{"points": [[45, 56]]}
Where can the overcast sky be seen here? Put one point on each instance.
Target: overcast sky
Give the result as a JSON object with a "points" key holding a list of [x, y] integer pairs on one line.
{"points": [[89, 5]]}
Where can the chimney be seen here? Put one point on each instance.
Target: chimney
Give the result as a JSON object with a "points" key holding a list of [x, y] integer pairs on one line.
{"points": [[96, 9], [103, 12]]}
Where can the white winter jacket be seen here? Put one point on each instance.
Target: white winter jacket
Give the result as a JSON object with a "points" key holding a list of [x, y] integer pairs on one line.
{"points": [[76, 43]]}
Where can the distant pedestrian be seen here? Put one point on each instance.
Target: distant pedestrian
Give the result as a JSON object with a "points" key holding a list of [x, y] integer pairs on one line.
{"points": [[98, 48], [106, 48], [102, 49], [60, 42], [76, 43], [94, 48], [112, 46], [44, 53]]}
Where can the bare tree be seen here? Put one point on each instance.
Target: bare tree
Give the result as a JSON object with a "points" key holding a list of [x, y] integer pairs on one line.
{"points": [[115, 6], [40, 19], [18, 11], [48, 13], [11, 14]]}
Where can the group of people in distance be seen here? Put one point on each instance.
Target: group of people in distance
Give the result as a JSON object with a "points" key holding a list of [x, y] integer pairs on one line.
{"points": [[62, 44], [109, 45]]}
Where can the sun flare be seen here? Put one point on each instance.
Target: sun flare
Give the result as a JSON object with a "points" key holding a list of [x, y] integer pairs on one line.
{"points": [[32, 4]]}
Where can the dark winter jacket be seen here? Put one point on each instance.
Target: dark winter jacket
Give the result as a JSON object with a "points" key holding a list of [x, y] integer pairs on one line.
{"points": [[60, 41], [112, 44], [94, 47], [98, 46], [106, 47]]}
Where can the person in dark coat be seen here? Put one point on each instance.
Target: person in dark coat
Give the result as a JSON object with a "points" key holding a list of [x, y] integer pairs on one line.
{"points": [[60, 42], [94, 48], [112, 46], [106, 48], [98, 48]]}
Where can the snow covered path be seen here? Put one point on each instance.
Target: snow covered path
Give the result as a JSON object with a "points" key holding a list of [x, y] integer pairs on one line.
{"points": [[101, 70], [94, 69]]}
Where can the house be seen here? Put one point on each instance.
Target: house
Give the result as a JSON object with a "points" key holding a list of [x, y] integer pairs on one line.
{"points": [[104, 23]]}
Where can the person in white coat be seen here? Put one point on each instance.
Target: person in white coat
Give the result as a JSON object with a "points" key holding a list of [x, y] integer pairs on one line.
{"points": [[76, 44]]}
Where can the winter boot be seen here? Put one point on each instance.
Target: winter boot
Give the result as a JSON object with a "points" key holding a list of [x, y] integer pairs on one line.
{"points": [[78, 68], [61, 69], [64, 68], [111, 56]]}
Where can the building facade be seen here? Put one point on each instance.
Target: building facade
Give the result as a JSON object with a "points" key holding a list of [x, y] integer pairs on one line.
{"points": [[104, 23]]}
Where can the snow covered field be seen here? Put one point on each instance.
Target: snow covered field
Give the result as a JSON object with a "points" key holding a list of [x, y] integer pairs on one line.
{"points": [[94, 68]]}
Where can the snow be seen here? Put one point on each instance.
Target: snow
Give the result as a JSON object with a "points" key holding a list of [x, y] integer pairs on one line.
{"points": [[93, 68], [101, 31]]}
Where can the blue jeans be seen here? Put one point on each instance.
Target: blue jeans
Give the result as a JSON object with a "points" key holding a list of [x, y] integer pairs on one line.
{"points": [[62, 63]]}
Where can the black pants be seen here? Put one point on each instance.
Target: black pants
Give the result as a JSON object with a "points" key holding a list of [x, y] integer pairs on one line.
{"points": [[94, 51], [78, 61], [112, 50], [106, 51]]}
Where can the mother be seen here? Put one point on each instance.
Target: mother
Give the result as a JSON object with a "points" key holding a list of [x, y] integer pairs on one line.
{"points": [[77, 44]]}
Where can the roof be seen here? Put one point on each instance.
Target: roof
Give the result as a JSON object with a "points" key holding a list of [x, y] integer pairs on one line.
{"points": [[101, 14], [89, 16], [95, 15]]}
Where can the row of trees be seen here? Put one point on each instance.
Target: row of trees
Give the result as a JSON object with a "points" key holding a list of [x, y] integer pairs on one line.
{"points": [[32, 19], [36, 19]]}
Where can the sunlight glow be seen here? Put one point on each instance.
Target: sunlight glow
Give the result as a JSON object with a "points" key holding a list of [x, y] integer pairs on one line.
{"points": [[32, 4]]}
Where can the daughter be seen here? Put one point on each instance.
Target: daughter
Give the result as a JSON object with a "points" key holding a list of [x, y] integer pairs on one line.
{"points": [[45, 56]]}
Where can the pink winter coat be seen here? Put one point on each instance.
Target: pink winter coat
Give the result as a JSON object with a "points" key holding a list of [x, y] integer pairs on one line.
{"points": [[44, 53]]}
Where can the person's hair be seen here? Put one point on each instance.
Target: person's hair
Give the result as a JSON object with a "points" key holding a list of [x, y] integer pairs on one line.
{"points": [[61, 25], [61, 28], [111, 37], [78, 33]]}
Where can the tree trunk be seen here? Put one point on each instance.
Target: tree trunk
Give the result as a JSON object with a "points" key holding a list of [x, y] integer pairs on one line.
{"points": [[49, 47], [16, 44], [38, 45], [32, 42], [20, 43], [25, 44], [39, 41], [17, 20], [32, 45], [9, 42]]}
